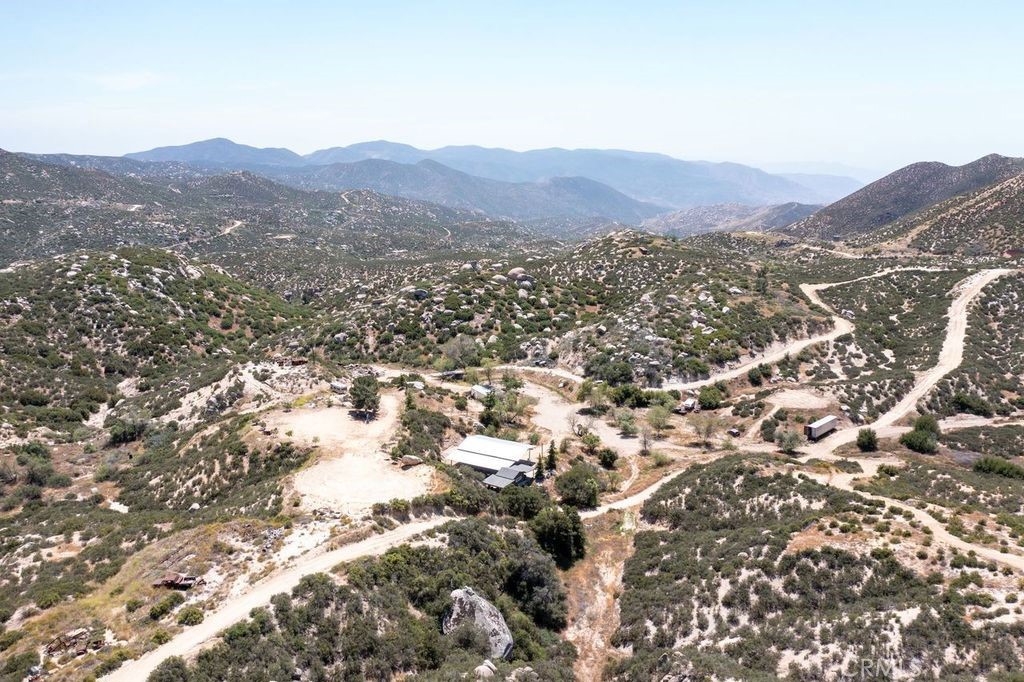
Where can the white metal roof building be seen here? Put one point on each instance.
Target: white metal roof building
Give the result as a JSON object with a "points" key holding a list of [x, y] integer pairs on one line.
{"points": [[489, 455]]}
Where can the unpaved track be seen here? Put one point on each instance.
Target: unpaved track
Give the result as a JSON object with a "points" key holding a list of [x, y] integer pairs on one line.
{"points": [[951, 355], [237, 609], [840, 326], [870, 465]]}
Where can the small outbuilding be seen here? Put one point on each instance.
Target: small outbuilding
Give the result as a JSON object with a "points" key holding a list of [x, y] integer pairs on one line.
{"points": [[480, 391], [518, 474]]}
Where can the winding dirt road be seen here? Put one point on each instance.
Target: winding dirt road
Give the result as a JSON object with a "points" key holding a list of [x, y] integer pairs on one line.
{"points": [[191, 640], [950, 357], [551, 413]]}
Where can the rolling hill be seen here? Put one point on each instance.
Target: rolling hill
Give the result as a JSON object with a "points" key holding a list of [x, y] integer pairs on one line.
{"points": [[220, 151], [425, 180], [899, 194], [728, 218], [49, 209], [431, 181]]}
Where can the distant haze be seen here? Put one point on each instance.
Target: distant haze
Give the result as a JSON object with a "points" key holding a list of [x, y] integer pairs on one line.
{"points": [[871, 85]]}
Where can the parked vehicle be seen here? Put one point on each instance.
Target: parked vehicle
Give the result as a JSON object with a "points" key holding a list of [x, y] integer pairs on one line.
{"points": [[821, 428]]}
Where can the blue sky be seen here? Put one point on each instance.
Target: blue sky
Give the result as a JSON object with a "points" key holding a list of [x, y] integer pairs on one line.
{"points": [[870, 84]]}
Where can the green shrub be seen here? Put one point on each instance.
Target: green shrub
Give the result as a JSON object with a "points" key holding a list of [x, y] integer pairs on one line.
{"points": [[999, 467], [607, 457], [579, 486], [972, 404], [560, 533], [867, 440], [122, 431], [919, 441], [710, 398], [190, 615], [929, 424], [166, 605]]}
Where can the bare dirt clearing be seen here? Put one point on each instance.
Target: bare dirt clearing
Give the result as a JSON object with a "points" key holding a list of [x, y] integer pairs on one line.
{"points": [[352, 471], [799, 400]]}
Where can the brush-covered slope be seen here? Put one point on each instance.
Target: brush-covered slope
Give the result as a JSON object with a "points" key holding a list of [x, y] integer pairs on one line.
{"points": [[752, 571], [78, 328], [629, 304], [902, 193], [989, 221], [728, 218], [50, 209]]}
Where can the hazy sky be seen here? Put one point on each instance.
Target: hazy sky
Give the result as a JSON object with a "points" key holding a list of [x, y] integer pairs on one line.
{"points": [[870, 84]]}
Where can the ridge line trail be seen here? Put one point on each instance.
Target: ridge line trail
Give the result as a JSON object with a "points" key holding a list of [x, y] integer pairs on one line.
{"points": [[190, 640]]}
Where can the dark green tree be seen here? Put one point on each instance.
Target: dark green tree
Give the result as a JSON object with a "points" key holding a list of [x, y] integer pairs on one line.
{"points": [[552, 460], [560, 533], [365, 394], [579, 486]]}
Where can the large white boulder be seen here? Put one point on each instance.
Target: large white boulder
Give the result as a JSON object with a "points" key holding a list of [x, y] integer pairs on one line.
{"points": [[469, 607]]}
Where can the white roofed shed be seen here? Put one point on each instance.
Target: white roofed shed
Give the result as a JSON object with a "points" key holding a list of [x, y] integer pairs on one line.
{"points": [[489, 455]]}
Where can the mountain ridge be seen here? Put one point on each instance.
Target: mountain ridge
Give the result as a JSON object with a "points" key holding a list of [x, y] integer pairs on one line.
{"points": [[902, 193], [644, 176]]}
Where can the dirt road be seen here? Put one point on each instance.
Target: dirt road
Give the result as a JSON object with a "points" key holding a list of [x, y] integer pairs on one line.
{"points": [[845, 481], [552, 413], [950, 357], [840, 326], [190, 641]]}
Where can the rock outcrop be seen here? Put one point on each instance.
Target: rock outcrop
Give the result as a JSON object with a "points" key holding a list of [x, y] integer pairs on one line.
{"points": [[469, 607]]}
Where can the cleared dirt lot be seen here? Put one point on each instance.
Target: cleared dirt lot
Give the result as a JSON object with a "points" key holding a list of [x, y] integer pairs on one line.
{"points": [[352, 471], [799, 399]]}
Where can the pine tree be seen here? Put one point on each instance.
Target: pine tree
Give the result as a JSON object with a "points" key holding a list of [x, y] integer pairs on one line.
{"points": [[552, 462]]}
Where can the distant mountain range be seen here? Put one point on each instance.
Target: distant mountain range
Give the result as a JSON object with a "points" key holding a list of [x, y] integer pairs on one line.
{"points": [[652, 179], [48, 209], [903, 193], [728, 218], [223, 152], [431, 181]]}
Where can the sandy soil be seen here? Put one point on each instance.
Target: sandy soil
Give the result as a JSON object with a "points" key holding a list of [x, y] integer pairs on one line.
{"points": [[799, 400], [593, 585], [552, 412], [283, 383], [352, 472]]}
